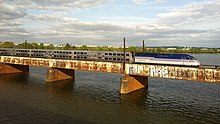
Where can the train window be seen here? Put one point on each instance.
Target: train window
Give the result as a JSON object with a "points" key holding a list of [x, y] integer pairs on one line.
{"points": [[127, 54], [81, 52], [110, 58], [106, 53], [118, 59], [118, 54], [106, 58], [69, 56], [114, 54], [74, 56], [69, 52], [85, 57], [110, 54], [114, 58], [74, 52], [122, 54], [127, 59]]}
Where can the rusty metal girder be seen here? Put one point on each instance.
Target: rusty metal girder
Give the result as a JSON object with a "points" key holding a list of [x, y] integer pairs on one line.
{"points": [[175, 72], [66, 64], [159, 71]]}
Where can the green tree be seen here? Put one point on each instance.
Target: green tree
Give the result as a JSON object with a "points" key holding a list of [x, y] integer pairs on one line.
{"points": [[41, 46], [51, 46], [132, 49], [67, 47], [34, 45], [7, 45]]}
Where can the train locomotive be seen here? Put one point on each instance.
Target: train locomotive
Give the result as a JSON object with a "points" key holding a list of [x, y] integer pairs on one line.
{"points": [[168, 59], [106, 56]]}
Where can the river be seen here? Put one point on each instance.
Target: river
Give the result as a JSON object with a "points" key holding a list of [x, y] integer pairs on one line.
{"points": [[94, 98]]}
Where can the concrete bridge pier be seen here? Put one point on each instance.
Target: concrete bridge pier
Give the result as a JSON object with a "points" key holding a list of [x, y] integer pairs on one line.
{"points": [[132, 83], [12, 68], [58, 74]]}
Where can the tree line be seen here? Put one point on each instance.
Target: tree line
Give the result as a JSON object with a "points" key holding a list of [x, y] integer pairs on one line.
{"points": [[26, 45]]}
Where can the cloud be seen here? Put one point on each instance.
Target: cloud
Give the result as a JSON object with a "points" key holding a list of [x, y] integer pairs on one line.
{"points": [[147, 2], [192, 13], [8, 12], [56, 4], [194, 24]]}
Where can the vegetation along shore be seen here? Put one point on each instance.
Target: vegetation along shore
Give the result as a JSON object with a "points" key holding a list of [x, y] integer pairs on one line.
{"points": [[165, 49]]}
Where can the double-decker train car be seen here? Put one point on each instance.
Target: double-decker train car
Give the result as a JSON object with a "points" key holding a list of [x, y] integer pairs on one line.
{"points": [[167, 59], [108, 56], [105, 56]]}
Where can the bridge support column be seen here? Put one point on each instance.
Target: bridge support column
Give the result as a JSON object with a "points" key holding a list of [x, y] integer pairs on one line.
{"points": [[58, 74], [12, 68], [132, 83]]}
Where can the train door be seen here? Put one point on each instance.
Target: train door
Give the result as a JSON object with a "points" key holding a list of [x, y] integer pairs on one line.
{"points": [[99, 56], [185, 60]]}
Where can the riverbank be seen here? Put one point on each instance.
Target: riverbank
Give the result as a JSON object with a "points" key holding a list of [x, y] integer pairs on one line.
{"points": [[164, 49]]}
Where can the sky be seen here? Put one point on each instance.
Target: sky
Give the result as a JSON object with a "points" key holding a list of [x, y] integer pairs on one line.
{"points": [[187, 23]]}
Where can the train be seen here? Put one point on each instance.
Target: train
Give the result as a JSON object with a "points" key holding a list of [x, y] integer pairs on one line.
{"points": [[105, 56]]}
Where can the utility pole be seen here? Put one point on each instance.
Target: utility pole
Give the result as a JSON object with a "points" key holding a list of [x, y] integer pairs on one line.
{"points": [[124, 57], [143, 47], [25, 44]]}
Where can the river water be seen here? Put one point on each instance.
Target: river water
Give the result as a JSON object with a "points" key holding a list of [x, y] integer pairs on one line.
{"points": [[94, 98]]}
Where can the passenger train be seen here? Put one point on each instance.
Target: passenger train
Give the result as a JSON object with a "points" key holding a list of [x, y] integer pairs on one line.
{"points": [[108, 56]]}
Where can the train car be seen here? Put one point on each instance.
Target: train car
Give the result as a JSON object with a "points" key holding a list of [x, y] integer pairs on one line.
{"points": [[6, 52], [85, 55], [167, 59], [115, 56], [21, 52], [107, 56], [60, 54]]}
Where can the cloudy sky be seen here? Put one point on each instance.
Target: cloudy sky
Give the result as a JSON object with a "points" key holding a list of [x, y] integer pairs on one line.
{"points": [[106, 22]]}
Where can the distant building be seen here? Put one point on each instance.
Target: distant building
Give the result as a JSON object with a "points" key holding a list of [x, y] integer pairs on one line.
{"points": [[171, 48], [204, 49], [60, 45], [91, 46], [114, 46], [46, 44], [187, 48], [78, 45]]}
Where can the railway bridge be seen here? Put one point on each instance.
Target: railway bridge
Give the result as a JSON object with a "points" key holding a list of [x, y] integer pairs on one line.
{"points": [[135, 75]]}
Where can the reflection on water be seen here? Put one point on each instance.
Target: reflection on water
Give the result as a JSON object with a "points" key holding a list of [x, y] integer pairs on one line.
{"points": [[65, 86], [94, 98]]}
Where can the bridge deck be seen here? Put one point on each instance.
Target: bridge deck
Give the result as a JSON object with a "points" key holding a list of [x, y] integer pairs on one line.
{"points": [[203, 73]]}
